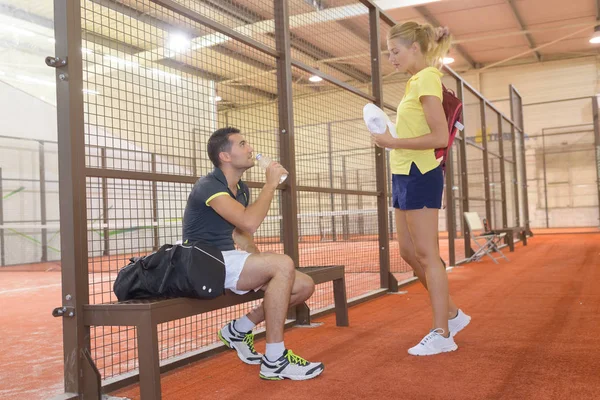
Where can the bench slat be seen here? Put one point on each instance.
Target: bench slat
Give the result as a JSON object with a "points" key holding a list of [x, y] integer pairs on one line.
{"points": [[131, 312]]}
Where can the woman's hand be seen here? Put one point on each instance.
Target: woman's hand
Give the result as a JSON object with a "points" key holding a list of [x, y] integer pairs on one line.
{"points": [[384, 140]]}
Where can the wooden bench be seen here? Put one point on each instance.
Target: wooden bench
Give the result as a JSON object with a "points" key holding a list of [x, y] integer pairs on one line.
{"points": [[509, 239], [145, 315]]}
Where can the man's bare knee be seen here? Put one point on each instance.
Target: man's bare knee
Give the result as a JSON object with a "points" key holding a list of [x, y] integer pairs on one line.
{"points": [[310, 289], [304, 287], [282, 265], [287, 265], [307, 287]]}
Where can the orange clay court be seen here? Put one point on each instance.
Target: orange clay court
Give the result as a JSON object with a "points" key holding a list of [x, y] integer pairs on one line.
{"points": [[531, 338]]}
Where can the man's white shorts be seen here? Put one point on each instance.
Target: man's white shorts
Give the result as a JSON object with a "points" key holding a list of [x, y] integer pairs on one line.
{"points": [[234, 264]]}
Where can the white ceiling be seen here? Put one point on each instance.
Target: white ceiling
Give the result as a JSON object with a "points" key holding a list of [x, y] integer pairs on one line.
{"points": [[487, 33]]}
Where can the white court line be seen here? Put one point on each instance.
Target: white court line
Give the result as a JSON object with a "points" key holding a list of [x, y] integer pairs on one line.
{"points": [[28, 289]]}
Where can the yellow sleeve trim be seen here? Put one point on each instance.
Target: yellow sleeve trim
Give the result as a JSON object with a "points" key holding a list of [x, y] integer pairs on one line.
{"points": [[216, 195]]}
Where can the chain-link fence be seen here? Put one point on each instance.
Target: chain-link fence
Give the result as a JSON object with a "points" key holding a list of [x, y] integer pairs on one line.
{"points": [[145, 85]]}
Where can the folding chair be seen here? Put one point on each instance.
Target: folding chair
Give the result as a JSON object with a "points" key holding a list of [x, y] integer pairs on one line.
{"points": [[485, 241]]}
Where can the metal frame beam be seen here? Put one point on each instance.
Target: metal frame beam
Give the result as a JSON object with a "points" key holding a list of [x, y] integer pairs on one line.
{"points": [[464, 179], [249, 17], [382, 14], [289, 200], [2, 256], [502, 172], [597, 141], [387, 280], [170, 62], [132, 12], [523, 28], [486, 166], [72, 194]]}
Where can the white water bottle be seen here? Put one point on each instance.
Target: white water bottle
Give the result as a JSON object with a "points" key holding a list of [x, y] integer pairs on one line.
{"points": [[265, 161]]}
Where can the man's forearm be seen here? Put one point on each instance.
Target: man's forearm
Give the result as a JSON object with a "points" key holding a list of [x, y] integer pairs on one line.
{"points": [[257, 211], [245, 241], [251, 248]]}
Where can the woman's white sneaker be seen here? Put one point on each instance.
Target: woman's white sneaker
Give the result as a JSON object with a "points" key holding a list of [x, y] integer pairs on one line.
{"points": [[458, 323], [433, 343]]}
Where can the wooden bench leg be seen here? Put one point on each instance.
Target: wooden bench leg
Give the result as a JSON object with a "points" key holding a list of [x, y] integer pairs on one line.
{"points": [[302, 314], [291, 312], [510, 238], [148, 358], [341, 303], [393, 283]]}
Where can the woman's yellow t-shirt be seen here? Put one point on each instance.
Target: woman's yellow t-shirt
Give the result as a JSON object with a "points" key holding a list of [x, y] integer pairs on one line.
{"points": [[411, 122]]}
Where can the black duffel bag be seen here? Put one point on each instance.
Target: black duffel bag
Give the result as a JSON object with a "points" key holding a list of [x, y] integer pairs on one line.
{"points": [[191, 270]]}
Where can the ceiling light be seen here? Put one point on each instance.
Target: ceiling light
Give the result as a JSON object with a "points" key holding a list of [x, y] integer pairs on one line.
{"points": [[315, 78], [218, 98], [52, 40], [448, 60], [178, 42], [595, 39], [88, 91], [86, 51]]}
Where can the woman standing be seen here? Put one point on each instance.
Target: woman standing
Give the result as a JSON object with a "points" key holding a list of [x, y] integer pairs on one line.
{"points": [[417, 178]]}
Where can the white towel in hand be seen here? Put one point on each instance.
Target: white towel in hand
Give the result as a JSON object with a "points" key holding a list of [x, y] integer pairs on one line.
{"points": [[377, 121]]}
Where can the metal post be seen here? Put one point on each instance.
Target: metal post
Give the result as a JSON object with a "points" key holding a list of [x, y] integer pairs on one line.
{"points": [[345, 218], [450, 210], [156, 243], [486, 166], [597, 142], [464, 179], [514, 107], [72, 193], [361, 217], [502, 172], [321, 234], [195, 151], [391, 218], [525, 194], [389, 201], [493, 223], [2, 259], [106, 230], [380, 158], [43, 202], [461, 220], [331, 196], [515, 177], [545, 180], [286, 129]]}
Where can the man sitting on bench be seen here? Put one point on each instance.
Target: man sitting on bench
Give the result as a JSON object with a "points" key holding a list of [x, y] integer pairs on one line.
{"points": [[218, 213]]}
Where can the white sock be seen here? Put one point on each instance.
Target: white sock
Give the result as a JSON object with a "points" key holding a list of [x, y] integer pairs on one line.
{"points": [[274, 351], [243, 324]]}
